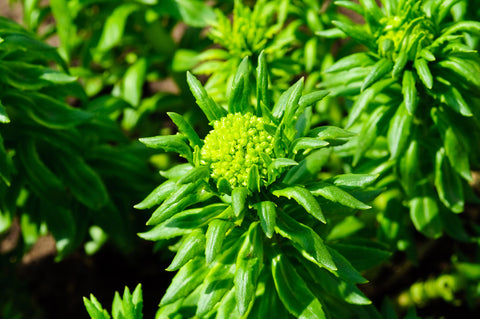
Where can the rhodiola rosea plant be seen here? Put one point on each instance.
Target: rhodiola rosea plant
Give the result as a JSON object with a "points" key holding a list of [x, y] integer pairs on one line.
{"points": [[247, 207], [415, 89]]}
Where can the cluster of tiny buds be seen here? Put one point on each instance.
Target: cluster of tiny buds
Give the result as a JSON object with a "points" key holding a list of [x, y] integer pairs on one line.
{"points": [[234, 146]]}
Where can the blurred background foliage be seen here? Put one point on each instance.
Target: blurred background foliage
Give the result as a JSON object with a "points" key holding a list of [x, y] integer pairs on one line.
{"points": [[82, 80]]}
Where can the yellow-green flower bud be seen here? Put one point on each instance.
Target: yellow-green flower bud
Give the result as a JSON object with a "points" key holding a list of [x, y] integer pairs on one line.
{"points": [[234, 146]]}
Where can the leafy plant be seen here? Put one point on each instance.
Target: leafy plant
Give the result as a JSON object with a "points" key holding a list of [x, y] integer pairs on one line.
{"points": [[415, 103], [248, 207], [55, 159], [128, 307]]}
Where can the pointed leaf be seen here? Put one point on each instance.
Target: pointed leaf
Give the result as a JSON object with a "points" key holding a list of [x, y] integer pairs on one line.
{"points": [[337, 195], [267, 214], [303, 197], [305, 240], [186, 129], [216, 232], [448, 183], [409, 92], [424, 214], [293, 291], [205, 102], [192, 245]]}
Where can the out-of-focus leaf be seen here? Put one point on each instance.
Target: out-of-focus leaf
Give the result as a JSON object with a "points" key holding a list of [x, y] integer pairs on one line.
{"points": [[83, 181], [399, 131], [195, 13], [424, 215], [448, 183], [114, 26], [132, 86]]}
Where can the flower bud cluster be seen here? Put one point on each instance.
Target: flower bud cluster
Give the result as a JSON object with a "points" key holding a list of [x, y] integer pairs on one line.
{"points": [[234, 146]]}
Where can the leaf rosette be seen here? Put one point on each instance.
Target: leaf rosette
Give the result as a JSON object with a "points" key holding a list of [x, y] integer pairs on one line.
{"points": [[248, 206]]}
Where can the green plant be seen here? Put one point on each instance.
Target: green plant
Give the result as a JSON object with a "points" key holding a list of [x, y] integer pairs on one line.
{"points": [[248, 208], [128, 307], [415, 104], [55, 159]]}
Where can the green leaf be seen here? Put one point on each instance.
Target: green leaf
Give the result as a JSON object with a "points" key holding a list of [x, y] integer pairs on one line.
{"points": [[354, 180], [158, 195], [169, 143], [253, 182], [248, 265], [175, 203], [362, 256], [94, 308], [370, 131], [331, 133], [337, 195], [83, 181], [195, 13], [48, 111], [267, 213], [41, 179], [360, 59], [307, 144], [192, 245], [205, 102], [379, 69], [133, 81], [448, 183], [186, 129], [303, 197], [399, 131], [345, 270], [339, 288], [288, 102], [463, 69], [238, 101], [455, 100], [66, 28], [185, 281], [114, 27], [195, 174], [409, 92], [355, 31], [305, 240], [177, 171], [308, 167], [311, 98], [425, 217], [424, 72], [365, 98], [216, 285], [293, 291], [182, 223], [456, 147], [262, 84], [216, 232], [239, 197]]}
